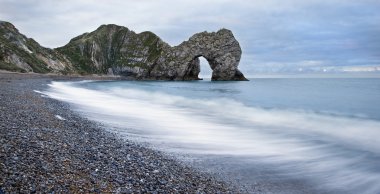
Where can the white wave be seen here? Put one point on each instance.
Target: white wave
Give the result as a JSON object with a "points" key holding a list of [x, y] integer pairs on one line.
{"points": [[331, 148]]}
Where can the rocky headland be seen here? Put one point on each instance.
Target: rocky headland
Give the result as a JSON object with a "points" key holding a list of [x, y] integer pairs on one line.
{"points": [[116, 50]]}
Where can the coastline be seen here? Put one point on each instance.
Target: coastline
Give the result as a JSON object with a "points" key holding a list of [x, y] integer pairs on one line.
{"points": [[46, 147]]}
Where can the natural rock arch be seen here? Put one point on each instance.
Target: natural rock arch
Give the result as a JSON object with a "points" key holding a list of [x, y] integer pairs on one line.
{"points": [[220, 49]]}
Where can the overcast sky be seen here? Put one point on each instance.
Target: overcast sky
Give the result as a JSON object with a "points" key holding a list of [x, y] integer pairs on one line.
{"points": [[277, 36]]}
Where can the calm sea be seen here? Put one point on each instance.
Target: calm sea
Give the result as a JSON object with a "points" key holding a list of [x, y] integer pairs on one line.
{"points": [[270, 135]]}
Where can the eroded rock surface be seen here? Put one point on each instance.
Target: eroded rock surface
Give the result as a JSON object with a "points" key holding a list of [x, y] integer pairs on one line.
{"points": [[220, 49]]}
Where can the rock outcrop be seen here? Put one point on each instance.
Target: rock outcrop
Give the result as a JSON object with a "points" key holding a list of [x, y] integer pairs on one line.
{"points": [[116, 50], [19, 53], [220, 49]]}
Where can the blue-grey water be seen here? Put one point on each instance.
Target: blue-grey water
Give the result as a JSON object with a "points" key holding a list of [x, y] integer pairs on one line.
{"points": [[270, 135]]}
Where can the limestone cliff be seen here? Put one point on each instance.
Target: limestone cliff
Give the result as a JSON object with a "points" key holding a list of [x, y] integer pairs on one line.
{"points": [[19, 53], [113, 49], [116, 50]]}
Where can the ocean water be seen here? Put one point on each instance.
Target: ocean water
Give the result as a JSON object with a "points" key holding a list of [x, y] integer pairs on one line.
{"points": [[268, 135]]}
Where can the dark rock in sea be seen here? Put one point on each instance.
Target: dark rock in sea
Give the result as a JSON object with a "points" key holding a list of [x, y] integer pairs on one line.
{"points": [[116, 50]]}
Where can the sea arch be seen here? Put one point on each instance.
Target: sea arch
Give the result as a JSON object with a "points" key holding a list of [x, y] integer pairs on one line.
{"points": [[221, 50]]}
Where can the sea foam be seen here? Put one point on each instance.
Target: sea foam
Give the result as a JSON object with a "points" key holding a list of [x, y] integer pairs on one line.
{"points": [[338, 152]]}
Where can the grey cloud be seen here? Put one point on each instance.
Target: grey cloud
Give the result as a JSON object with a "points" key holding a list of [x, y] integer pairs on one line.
{"points": [[276, 35]]}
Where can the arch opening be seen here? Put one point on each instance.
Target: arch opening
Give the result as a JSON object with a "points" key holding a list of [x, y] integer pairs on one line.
{"points": [[198, 68], [205, 68]]}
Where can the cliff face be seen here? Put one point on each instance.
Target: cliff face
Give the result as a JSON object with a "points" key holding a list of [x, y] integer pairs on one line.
{"points": [[116, 50], [19, 53], [113, 49]]}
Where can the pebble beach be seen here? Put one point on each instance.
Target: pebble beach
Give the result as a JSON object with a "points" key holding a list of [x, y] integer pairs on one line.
{"points": [[47, 148]]}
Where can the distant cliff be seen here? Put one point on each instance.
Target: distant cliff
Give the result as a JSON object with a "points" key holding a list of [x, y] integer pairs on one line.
{"points": [[19, 53], [116, 50]]}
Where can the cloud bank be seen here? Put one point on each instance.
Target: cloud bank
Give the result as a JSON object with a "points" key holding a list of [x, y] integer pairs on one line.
{"points": [[277, 36]]}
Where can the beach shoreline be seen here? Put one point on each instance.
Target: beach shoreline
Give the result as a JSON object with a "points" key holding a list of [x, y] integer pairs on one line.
{"points": [[47, 147]]}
